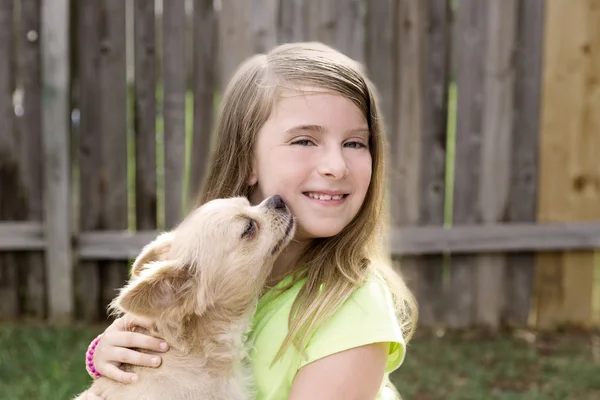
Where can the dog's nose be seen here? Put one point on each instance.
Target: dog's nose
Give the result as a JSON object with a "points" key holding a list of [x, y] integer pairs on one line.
{"points": [[276, 202]]}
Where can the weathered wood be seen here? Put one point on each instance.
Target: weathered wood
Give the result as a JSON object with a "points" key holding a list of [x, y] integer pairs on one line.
{"points": [[174, 108], [569, 168], [113, 110], [91, 179], [338, 24], [291, 21], [522, 206], [21, 236], [406, 144], [56, 132], [113, 245], [471, 20], [263, 24], [497, 124], [404, 241], [205, 84], [381, 57], [145, 114], [29, 127], [430, 292], [10, 201], [513, 237], [235, 38]]}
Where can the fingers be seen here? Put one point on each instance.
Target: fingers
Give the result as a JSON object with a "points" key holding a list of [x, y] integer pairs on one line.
{"points": [[127, 356], [111, 371], [135, 340]]}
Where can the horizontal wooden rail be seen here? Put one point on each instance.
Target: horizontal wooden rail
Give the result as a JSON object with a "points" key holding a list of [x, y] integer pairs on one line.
{"points": [[21, 236], [498, 238], [501, 238]]}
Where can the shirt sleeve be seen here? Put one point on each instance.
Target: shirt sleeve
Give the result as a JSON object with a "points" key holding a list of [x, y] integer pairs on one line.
{"points": [[367, 317]]}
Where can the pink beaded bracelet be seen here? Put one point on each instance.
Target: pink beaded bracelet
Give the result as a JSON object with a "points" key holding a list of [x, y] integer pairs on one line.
{"points": [[89, 358]]}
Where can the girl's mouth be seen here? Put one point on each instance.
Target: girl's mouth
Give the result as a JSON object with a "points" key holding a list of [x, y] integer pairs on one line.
{"points": [[330, 197]]}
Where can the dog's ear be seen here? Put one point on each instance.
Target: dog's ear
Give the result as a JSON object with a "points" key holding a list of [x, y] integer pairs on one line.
{"points": [[164, 286], [152, 252]]}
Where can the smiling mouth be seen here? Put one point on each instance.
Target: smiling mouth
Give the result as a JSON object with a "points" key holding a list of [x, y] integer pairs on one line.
{"points": [[326, 197], [288, 230]]}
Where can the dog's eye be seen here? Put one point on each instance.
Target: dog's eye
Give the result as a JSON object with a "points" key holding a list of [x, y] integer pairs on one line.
{"points": [[250, 229]]}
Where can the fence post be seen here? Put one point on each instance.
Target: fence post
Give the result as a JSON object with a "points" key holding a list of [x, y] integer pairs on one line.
{"points": [[55, 128]]}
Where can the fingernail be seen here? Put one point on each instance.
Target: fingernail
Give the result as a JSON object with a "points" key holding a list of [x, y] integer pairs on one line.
{"points": [[163, 345], [155, 360]]}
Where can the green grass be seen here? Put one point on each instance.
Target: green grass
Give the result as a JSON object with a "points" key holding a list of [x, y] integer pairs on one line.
{"points": [[471, 366], [46, 363]]}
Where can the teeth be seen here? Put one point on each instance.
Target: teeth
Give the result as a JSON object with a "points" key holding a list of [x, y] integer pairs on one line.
{"points": [[325, 196]]}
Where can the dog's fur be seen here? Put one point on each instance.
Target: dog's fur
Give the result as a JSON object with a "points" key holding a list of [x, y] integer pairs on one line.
{"points": [[200, 284]]}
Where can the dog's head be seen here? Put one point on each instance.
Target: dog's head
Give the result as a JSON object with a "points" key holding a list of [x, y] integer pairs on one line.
{"points": [[221, 254]]}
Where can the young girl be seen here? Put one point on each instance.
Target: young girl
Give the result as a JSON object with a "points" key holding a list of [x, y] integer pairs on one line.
{"points": [[303, 122]]}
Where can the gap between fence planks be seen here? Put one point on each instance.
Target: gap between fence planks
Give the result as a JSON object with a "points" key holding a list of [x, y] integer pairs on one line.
{"points": [[11, 206]]}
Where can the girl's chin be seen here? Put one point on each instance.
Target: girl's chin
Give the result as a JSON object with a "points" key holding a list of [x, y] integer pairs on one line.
{"points": [[315, 232]]}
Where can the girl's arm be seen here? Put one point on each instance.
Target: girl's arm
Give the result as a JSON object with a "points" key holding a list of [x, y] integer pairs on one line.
{"points": [[354, 374]]}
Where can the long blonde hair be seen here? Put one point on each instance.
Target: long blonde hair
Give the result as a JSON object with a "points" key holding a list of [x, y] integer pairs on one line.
{"points": [[333, 267]]}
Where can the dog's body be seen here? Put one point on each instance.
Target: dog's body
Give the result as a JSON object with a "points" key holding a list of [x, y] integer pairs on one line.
{"points": [[202, 300]]}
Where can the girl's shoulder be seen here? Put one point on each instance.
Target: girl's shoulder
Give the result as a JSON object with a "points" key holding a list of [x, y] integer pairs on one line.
{"points": [[368, 316]]}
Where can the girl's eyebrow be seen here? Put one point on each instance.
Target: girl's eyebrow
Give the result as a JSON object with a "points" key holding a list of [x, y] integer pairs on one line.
{"points": [[305, 128], [321, 129]]}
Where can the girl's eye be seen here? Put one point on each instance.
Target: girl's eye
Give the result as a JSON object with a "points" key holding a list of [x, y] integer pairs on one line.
{"points": [[302, 142], [250, 229], [355, 145]]}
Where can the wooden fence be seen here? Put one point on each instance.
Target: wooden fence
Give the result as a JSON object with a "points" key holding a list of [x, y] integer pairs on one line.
{"points": [[493, 119]]}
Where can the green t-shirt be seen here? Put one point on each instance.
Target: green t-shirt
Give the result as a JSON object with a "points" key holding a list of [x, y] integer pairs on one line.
{"points": [[366, 317]]}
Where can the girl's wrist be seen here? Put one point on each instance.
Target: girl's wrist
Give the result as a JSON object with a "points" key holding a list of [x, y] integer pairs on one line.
{"points": [[89, 358]]}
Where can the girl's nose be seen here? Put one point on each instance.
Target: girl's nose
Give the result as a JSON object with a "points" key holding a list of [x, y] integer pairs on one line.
{"points": [[333, 165]]}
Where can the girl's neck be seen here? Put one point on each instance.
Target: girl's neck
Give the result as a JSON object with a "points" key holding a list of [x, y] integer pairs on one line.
{"points": [[286, 261]]}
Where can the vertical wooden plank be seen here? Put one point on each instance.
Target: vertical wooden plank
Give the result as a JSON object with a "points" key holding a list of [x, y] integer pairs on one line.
{"points": [[174, 108], [497, 124], [471, 20], [291, 21], [381, 55], [145, 114], [430, 292], [570, 172], [263, 24], [56, 128], [406, 143], [9, 168], [90, 152], [340, 24], [522, 205], [205, 84], [113, 115], [30, 134], [235, 39]]}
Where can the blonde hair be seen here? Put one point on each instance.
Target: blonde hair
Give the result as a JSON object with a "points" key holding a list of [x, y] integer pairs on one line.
{"points": [[333, 267]]}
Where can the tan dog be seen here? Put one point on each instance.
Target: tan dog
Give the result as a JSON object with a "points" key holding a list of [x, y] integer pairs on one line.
{"points": [[200, 284]]}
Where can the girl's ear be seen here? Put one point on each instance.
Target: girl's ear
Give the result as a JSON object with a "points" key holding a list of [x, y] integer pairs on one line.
{"points": [[253, 178]]}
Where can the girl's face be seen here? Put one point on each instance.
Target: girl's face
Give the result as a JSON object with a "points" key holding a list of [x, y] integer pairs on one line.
{"points": [[314, 152]]}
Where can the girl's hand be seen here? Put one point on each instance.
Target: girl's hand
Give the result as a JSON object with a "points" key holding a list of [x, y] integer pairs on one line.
{"points": [[115, 346]]}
